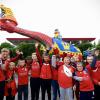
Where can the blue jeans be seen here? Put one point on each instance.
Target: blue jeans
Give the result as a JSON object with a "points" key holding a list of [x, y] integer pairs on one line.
{"points": [[56, 90], [23, 91], [66, 91]]}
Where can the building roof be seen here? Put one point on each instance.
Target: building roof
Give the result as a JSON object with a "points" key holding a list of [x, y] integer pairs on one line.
{"points": [[66, 39]]}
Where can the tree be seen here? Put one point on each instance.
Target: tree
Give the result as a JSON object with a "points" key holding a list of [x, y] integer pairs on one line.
{"points": [[98, 45], [84, 46], [6, 45], [26, 48], [94, 45]]}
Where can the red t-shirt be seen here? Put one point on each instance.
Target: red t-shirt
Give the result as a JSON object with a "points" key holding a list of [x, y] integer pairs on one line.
{"points": [[63, 80], [11, 84], [86, 84], [2, 72], [2, 76], [46, 71], [55, 70], [54, 74], [95, 72], [6, 62], [22, 75], [35, 70]]}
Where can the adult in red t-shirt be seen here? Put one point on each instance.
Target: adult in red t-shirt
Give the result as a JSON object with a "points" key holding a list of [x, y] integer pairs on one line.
{"points": [[93, 67], [65, 79]]}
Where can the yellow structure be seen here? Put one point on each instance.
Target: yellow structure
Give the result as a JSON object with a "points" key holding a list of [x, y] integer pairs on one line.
{"points": [[7, 14]]}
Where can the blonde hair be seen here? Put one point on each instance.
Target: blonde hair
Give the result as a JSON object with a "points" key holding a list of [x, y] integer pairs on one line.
{"points": [[5, 50], [12, 63], [67, 58]]}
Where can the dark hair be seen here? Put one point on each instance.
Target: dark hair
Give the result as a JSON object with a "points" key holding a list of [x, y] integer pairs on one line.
{"points": [[46, 54], [56, 30], [28, 58], [97, 49], [21, 59]]}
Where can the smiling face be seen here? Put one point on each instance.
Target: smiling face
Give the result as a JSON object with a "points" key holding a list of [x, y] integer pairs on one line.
{"points": [[4, 53], [46, 58], [66, 60], [79, 66], [21, 63], [11, 65], [76, 58], [89, 59], [34, 57]]}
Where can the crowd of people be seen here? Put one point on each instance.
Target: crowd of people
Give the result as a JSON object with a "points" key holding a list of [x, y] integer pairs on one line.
{"points": [[69, 77]]}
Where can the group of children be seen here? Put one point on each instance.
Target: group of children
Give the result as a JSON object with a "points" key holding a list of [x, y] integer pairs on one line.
{"points": [[68, 76]]}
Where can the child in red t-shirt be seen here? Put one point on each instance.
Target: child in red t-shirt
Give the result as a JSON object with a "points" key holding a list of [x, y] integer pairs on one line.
{"points": [[35, 78], [22, 72], [46, 77], [10, 85], [55, 66], [86, 86], [45, 74]]}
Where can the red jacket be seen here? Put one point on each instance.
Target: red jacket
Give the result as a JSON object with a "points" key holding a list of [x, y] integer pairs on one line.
{"points": [[15, 58], [2, 72], [88, 67], [86, 84], [63, 80], [59, 63], [54, 74], [95, 73], [11, 84], [55, 70], [35, 70], [22, 75], [46, 71], [2, 76], [45, 68], [39, 57]]}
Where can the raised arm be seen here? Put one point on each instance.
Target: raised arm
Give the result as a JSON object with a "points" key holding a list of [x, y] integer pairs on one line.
{"points": [[38, 54], [17, 56], [96, 54]]}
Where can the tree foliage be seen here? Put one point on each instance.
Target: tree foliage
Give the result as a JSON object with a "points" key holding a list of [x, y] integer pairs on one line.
{"points": [[84, 46], [26, 48]]}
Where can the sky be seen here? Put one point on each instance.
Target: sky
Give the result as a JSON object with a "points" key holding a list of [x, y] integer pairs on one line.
{"points": [[73, 18]]}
